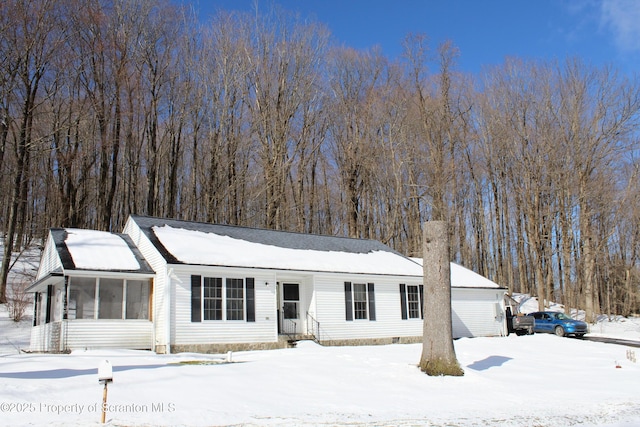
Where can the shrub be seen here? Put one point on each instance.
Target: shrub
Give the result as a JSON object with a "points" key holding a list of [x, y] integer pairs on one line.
{"points": [[19, 300]]}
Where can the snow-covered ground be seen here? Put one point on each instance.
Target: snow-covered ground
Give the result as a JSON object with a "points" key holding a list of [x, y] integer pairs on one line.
{"points": [[540, 380]]}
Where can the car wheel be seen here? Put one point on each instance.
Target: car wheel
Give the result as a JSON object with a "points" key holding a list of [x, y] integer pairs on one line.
{"points": [[559, 331]]}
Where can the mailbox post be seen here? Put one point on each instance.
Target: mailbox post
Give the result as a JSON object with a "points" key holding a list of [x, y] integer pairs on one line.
{"points": [[105, 376]]}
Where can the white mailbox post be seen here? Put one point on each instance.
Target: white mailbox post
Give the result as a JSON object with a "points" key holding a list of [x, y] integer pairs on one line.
{"points": [[105, 376], [105, 372]]}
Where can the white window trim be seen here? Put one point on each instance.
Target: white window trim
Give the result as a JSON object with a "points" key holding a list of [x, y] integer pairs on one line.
{"points": [[96, 299], [224, 299], [353, 301]]}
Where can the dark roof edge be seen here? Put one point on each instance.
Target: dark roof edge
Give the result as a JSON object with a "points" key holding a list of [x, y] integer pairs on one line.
{"points": [[59, 238]]}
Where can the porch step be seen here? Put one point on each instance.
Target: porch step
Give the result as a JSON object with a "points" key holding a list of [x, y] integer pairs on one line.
{"points": [[292, 339]]}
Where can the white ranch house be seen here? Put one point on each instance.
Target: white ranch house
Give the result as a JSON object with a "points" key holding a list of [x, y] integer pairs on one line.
{"points": [[173, 286]]}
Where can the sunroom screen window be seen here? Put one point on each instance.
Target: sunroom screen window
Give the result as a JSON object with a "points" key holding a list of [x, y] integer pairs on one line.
{"points": [[42, 308], [56, 304], [137, 306], [82, 298], [110, 297]]}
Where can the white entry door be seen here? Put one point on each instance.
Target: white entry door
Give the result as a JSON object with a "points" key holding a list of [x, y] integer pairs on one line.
{"points": [[291, 319]]}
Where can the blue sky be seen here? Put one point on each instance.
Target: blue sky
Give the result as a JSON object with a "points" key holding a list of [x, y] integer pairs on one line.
{"points": [[485, 31]]}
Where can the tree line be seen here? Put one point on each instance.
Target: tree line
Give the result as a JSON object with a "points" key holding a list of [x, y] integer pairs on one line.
{"points": [[114, 107]]}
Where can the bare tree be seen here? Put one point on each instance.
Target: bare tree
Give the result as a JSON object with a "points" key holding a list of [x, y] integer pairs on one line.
{"points": [[598, 117], [33, 40], [356, 77], [225, 146], [109, 107], [437, 117], [284, 58]]}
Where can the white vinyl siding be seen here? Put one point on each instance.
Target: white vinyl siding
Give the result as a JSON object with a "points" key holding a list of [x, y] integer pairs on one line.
{"points": [[473, 312], [88, 334], [186, 332], [50, 260], [46, 337], [132, 334], [329, 309], [160, 309]]}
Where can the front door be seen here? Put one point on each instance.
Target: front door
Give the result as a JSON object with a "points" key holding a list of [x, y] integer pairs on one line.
{"points": [[291, 321]]}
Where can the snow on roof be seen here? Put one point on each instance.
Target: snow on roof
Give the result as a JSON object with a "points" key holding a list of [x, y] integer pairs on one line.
{"points": [[99, 250], [465, 278], [462, 277], [197, 247]]}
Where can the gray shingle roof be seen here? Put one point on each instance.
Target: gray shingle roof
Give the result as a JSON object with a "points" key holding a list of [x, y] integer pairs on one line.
{"points": [[283, 239]]}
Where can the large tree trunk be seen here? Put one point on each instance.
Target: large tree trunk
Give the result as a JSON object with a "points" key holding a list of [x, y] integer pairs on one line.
{"points": [[438, 354]]}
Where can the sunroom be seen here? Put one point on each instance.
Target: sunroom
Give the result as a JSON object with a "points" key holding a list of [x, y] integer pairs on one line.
{"points": [[79, 302]]}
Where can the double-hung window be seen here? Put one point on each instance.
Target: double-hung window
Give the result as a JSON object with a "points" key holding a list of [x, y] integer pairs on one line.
{"points": [[411, 301], [219, 298], [360, 301], [235, 299], [212, 298]]}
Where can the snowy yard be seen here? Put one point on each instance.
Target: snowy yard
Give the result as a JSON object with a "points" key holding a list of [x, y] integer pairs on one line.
{"points": [[540, 380]]}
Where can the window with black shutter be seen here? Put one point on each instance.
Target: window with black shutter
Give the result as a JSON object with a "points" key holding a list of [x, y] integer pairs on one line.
{"points": [[219, 298], [411, 301], [403, 301], [251, 299], [196, 294], [50, 290], [372, 301], [359, 299], [348, 301]]}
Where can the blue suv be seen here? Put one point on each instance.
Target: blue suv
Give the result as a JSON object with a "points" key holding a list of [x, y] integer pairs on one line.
{"points": [[558, 323]]}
